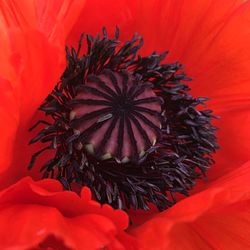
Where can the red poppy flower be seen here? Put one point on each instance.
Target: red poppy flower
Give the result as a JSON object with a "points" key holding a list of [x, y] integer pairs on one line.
{"points": [[210, 38]]}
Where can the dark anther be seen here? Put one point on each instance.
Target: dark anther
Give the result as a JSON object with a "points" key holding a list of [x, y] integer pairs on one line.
{"points": [[125, 125]]}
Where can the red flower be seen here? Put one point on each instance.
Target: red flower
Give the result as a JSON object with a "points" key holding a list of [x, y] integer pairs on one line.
{"points": [[210, 38]]}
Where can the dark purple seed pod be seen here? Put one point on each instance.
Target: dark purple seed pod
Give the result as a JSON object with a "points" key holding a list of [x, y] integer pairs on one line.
{"points": [[117, 116], [125, 126]]}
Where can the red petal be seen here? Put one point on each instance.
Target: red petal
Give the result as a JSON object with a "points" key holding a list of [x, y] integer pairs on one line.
{"points": [[234, 138], [36, 211], [34, 58], [9, 122], [97, 14], [56, 18], [53, 18], [223, 75], [38, 65], [217, 218]]}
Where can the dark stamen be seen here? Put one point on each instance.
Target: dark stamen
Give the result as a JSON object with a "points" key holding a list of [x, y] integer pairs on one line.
{"points": [[125, 125]]}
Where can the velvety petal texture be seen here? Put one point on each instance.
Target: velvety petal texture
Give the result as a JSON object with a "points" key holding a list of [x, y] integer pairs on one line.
{"points": [[9, 115], [40, 213], [33, 54], [217, 218]]}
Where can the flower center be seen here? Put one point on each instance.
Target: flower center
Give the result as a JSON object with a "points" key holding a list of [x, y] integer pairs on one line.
{"points": [[125, 125], [117, 115]]}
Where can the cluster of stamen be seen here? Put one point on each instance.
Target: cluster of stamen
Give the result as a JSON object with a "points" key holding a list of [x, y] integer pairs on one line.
{"points": [[125, 126]]}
